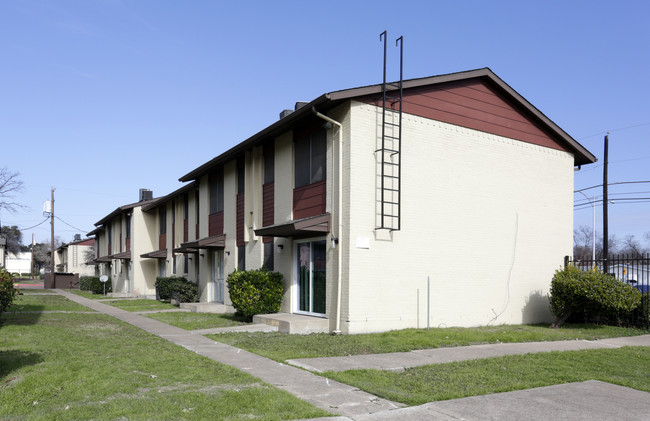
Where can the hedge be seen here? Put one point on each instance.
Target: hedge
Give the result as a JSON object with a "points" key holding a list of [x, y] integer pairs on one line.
{"points": [[94, 285], [595, 296], [255, 291], [176, 288], [7, 289]]}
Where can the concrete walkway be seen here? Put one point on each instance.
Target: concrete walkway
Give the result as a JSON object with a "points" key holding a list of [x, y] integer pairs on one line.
{"points": [[591, 400], [398, 361]]}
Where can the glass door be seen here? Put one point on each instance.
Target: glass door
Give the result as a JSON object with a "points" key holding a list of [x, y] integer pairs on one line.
{"points": [[216, 277], [311, 276]]}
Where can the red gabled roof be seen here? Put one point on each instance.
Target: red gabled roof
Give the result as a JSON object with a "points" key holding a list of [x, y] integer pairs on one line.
{"points": [[329, 100]]}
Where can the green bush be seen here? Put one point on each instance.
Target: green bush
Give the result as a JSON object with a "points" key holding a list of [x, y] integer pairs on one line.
{"points": [[94, 285], [255, 291], [596, 296], [176, 288], [7, 290]]}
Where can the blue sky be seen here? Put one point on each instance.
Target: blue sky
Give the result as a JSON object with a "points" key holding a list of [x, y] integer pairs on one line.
{"points": [[100, 98]]}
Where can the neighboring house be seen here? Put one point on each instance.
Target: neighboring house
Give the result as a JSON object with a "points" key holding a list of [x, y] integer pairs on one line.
{"points": [[121, 237], [471, 188], [18, 262], [357, 205], [71, 257]]}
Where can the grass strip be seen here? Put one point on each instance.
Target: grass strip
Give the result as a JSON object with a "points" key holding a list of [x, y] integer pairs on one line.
{"points": [[626, 366], [193, 321], [33, 302], [91, 366], [88, 294], [281, 347]]}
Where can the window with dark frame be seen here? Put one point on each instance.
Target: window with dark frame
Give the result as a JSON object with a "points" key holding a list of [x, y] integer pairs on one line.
{"points": [[216, 191], [127, 223], [269, 165], [241, 176], [241, 257], [162, 220], [269, 261], [310, 158]]}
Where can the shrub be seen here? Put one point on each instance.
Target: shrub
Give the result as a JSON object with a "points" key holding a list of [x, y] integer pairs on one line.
{"points": [[7, 290], [595, 295], [176, 288], [255, 291], [94, 285]]}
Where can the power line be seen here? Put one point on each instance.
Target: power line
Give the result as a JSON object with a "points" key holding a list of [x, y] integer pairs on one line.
{"points": [[610, 184], [40, 223], [616, 130], [78, 229]]}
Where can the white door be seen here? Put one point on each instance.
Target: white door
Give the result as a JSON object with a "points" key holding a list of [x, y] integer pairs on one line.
{"points": [[216, 288]]}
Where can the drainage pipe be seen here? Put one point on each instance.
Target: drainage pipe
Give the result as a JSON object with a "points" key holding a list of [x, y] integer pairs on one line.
{"points": [[336, 240]]}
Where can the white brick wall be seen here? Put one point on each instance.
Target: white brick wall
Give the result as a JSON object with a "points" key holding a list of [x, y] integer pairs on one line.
{"points": [[488, 218]]}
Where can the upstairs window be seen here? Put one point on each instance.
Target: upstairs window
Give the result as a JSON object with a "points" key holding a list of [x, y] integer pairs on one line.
{"points": [[162, 220], [310, 158], [216, 191]]}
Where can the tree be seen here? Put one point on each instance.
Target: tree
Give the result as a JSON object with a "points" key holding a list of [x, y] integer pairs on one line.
{"points": [[632, 247], [89, 255], [583, 239], [42, 252], [10, 184], [14, 238]]}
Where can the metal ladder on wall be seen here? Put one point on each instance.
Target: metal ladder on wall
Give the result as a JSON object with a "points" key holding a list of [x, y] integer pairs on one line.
{"points": [[389, 158]]}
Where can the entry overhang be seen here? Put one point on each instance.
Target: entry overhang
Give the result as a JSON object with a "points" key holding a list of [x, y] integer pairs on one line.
{"points": [[122, 256], [305, 227], [213, 242], [158, 254]]}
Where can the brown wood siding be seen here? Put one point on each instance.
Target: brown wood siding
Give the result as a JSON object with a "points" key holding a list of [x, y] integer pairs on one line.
{"points": [[128, 244], [162, 241], [197, 232], [309, 200], [240, 220], [186, 230], [268, 207], [215, 224], [473, 104]]}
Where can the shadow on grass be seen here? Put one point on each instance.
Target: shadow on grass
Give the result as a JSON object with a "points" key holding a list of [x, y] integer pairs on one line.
{"points": [[10, 317], [13, 360]]}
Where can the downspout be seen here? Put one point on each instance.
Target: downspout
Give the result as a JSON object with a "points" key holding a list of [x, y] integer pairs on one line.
{"points": [[335, 240]]}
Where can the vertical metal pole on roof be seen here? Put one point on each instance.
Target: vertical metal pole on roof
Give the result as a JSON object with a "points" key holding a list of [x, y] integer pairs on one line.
{"points": [[400, 40], [383, 36], [605, 200]]}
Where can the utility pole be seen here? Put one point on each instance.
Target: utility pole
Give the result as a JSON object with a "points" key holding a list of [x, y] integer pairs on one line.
{"points": [[605, 201], [52, 226]]}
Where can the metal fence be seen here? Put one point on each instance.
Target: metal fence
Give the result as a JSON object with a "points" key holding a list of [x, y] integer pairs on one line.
{"points": [[632, 270]]}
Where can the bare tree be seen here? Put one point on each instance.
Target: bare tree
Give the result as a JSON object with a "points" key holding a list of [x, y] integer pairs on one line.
{"points": [[89, 255], [583, 242], [42, 253], [632, 247], [10, 184]]}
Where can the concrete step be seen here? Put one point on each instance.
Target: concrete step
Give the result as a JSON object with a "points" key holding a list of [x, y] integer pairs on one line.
{"points": [[208, 308], [294, 323]]}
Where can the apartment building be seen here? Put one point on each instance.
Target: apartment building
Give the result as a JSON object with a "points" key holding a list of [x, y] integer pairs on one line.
{"points": [[72, 257], [439, 201]]}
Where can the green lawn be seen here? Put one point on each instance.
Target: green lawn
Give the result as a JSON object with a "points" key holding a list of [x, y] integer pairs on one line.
{"points": [[71, 366], [88, 294], [627, 366], [193, 321], [50, 302], [281, 347], [140, 304], [36, 291]]}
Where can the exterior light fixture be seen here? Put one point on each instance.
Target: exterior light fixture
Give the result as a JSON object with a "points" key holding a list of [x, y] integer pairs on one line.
{"points": [[335, 242]]}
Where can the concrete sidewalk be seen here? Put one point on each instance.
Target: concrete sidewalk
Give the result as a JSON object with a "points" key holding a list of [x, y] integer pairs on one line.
{"points": [[398, 361], [591, 400]]}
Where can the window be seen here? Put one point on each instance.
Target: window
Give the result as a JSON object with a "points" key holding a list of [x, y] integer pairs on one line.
{"points": [[310, 158], [216, 191], [196, 204], [241, 257], [128, 226], [186, 206], [269, 164], [162, 220], [269, 262], [241, 176]]}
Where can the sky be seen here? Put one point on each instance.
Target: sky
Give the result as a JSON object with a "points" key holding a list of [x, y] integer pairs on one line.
{"points": [[99, 98]]}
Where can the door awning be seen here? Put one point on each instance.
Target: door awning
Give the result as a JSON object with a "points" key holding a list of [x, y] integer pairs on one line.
{"points": [[305, 227], [214, 242], [158, 254], [104, 259], [126, 255]]}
